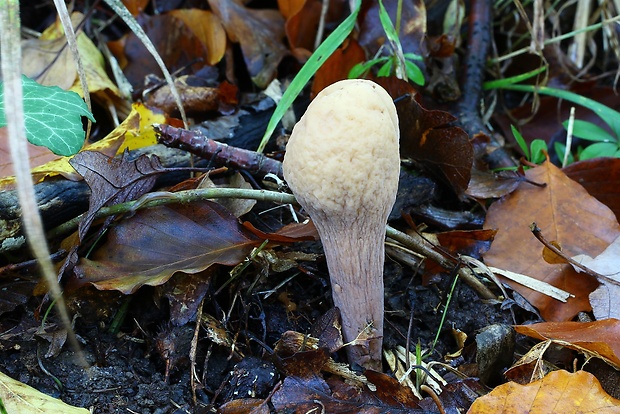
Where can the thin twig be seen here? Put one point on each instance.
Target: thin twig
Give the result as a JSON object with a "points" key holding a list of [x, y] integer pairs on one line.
{"points": [[538, 234]]}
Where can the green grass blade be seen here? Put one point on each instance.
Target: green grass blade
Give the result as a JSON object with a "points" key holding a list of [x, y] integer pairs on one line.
{"points": [[503, 83], [316, 60], [607, 114]]}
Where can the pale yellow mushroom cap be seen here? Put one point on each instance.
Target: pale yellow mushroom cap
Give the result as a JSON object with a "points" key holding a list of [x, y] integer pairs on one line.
{"points": [[342, 157]]}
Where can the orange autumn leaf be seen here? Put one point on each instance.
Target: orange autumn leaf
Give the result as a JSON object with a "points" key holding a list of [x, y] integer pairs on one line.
{"points": [[565, 213], [558, 392], [600, 339]]}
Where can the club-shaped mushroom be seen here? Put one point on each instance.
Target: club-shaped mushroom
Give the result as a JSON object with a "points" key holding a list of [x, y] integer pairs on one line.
{"points": [[342, 162]]}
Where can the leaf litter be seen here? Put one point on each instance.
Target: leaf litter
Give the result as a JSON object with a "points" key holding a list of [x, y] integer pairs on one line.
{"points": [[193, 286]]}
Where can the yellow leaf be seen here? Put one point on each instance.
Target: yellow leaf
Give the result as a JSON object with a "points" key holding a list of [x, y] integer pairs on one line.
{"points": [[19, 398]]}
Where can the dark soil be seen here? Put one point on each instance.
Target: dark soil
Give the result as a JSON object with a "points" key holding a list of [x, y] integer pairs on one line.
{"points": [[127, 370]]}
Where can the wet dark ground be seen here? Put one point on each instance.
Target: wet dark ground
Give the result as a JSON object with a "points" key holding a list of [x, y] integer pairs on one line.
{"points": [[127, 371]]}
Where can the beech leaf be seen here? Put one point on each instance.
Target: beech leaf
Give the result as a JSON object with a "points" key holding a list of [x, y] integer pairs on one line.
{"points": [[558, 392], [566, 214], [151, 246]]}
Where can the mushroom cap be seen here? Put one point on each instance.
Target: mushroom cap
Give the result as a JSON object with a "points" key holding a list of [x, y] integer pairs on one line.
{"points": [[342, 160]]}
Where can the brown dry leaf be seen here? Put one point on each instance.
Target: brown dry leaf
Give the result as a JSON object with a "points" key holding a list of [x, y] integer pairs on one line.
{"points": [[258, 32], [566, 213], [177, 44], [208, 28], [600, 176], [114, 180], [605, 298], [338, 65], [428, 138], [599, 338], [151, 246], [558, 392]]}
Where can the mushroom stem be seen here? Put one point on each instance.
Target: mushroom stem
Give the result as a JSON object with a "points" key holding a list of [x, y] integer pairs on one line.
{"points": [[361, 298]]}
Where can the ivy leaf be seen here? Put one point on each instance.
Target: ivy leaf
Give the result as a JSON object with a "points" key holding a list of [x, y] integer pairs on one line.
{"points": [[52, 117]]}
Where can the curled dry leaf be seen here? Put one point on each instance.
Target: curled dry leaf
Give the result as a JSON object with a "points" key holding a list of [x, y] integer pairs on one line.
{"points": [[600, 339], [258, 32]]}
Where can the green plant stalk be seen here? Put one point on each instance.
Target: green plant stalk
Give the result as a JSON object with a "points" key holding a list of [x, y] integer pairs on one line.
{"points": [[445, 313], [502, 83], [163, 197], [607, 114], [315, 61]]}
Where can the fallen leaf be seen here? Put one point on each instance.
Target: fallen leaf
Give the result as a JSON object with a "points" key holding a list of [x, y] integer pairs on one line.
{"points": [[599, 338], [135, 132], [19, 398], [558, 392], [177, 44], [600, 176], [426, 137], [151, 246], [258, 32], [605, 298], [208, 28], [565, 213], [114, 180], [338, 65]]}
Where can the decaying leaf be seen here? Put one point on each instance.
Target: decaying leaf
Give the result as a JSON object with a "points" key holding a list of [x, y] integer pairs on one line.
{"points": [[157, 242], [258, 32], [566, 213], [114, 180], [599, 339], [426, 137], [606, 297], [558, 392], [19, 398]]}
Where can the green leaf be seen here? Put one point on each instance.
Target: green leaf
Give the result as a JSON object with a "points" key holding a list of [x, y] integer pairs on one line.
{"points": [[52, 117], [363, 67], [314, 62], [560, 150], [590, 132], [600, 149], [607, 114], [538, 148], [414, 74], [521, 141], [386, 69]]}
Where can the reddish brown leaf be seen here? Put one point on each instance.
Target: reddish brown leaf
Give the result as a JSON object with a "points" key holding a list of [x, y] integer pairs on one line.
{"points": [[426, 137], [258, 32], [598, 338], [566, 213], [601, 177], [558, 392], [155, 243], [175, 42], [472, 243]]}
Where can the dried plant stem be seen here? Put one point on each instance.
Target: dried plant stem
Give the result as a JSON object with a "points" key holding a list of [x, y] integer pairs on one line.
{"points": [[13, 104]]}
